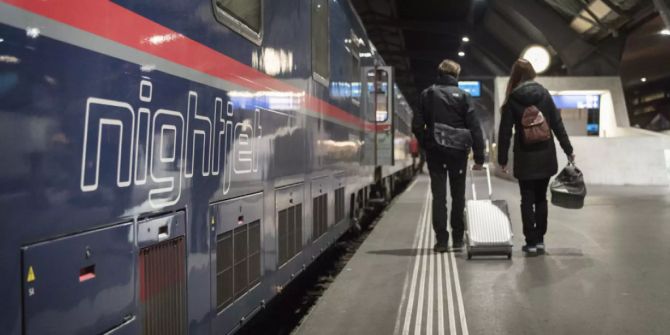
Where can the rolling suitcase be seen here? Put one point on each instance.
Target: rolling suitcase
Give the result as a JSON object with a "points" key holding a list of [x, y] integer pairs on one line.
{"points": [[489, 230]]}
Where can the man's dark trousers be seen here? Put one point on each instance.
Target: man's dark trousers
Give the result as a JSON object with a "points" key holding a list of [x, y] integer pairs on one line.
{"points": [[451, 163]]}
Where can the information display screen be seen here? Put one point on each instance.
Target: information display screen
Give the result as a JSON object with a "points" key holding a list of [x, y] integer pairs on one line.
{"points": [[592, 128], [577, 101], [472, 87]]}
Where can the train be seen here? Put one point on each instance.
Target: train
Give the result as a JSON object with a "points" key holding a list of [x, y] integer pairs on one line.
{"points": [[168, 167]]}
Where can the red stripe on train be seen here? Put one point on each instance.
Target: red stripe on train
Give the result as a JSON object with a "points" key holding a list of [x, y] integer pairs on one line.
{"points": [[131, 29]]}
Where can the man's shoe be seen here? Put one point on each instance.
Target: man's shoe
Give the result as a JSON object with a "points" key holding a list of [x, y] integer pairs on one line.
{"points": [[457, 246], [440, 247], [531, 250], [541, 249]]}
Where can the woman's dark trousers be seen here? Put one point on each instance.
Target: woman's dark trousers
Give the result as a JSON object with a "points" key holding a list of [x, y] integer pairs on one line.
{"points": [[534, 209]]}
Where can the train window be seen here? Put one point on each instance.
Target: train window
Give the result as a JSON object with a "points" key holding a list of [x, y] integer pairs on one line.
{"points": [[380, 90], [354, 50], [243, 16], [356, 80], [320, 41]]}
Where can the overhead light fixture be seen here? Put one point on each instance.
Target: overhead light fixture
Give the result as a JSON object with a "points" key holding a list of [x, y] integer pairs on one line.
{"points": [[644, 79], [538, 56], [461, 54], [665, 32], [465, 39]]}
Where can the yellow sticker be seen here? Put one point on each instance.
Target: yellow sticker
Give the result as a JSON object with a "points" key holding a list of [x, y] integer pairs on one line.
{"points": [[31, 275], [213, 222]]}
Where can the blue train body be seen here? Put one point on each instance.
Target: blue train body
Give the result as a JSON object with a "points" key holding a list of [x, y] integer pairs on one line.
{"points": [[160, 169]]}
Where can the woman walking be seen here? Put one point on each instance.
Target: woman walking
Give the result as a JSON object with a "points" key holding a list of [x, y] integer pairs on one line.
{"points": [[530, 110]]}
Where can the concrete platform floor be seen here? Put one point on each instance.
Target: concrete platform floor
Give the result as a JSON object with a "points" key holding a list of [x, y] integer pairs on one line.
{"points": [[607, 271]]}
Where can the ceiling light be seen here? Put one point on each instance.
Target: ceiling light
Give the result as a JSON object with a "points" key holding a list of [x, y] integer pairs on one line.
{"points": [[644, 79], [465, 39], [538, 56], [665, 32], [461, 54]]}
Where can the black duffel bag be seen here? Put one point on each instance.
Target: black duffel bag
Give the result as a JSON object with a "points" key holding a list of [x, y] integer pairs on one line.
{"points": [[568, 189]]}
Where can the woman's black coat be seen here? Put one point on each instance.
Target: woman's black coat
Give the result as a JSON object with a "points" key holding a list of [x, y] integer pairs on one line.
{"points": [[535, 161]]}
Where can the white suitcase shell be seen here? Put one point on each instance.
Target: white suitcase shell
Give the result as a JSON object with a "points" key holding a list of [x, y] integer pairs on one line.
{"points": [[489, 230]]}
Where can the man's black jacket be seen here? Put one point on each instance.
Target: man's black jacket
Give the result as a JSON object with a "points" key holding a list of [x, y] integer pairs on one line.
{"points": [[445, 103]]}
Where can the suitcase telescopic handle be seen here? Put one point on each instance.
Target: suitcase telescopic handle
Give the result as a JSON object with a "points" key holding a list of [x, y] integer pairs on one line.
{"points": [[488, 182]]}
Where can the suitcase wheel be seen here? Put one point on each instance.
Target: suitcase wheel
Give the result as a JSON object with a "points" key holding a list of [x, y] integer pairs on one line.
{"points": [[509, 255], [469, 255]]}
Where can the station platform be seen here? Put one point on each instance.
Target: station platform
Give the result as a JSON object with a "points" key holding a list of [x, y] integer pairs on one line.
{"points": [[605, 272]]}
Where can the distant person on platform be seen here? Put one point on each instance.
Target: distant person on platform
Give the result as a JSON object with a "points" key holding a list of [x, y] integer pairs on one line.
{"points": [[447, 128], [534, 150], [417, 153]]}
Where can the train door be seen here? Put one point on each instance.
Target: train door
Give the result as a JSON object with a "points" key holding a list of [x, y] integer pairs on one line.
{"points": [[377, 107]]}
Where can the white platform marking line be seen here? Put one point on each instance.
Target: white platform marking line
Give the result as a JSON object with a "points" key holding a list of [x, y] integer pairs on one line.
{"points": [[419, 288], [415, 245], [431, 266], [422, 282], [459, 296], [419, 245], [440, 296], [409, 188], [450, 298]]}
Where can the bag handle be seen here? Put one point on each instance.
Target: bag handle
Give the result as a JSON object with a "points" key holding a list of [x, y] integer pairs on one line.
{"points": [[488, 181], [572, 164]]}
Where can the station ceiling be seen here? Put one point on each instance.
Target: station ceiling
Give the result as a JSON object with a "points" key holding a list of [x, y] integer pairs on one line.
{"points": [[585, 37]]}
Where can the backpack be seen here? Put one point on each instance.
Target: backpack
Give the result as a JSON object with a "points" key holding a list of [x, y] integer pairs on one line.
{"points": [[535, 126]]}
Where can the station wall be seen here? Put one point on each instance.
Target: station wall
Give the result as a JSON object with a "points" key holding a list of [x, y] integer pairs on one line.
{"points": [[621, 155]]}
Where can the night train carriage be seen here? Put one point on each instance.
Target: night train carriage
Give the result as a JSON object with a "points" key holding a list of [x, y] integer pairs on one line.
{"points": [[134, 135]]}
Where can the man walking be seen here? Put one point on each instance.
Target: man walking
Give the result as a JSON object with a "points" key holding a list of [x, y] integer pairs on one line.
{"points": [[447, 128]]}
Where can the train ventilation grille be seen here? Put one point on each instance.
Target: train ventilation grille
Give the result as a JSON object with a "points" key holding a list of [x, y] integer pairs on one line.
{"points": [[238, 262], [339, 205], [289, 233], [320, 216], [163, 288]]}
